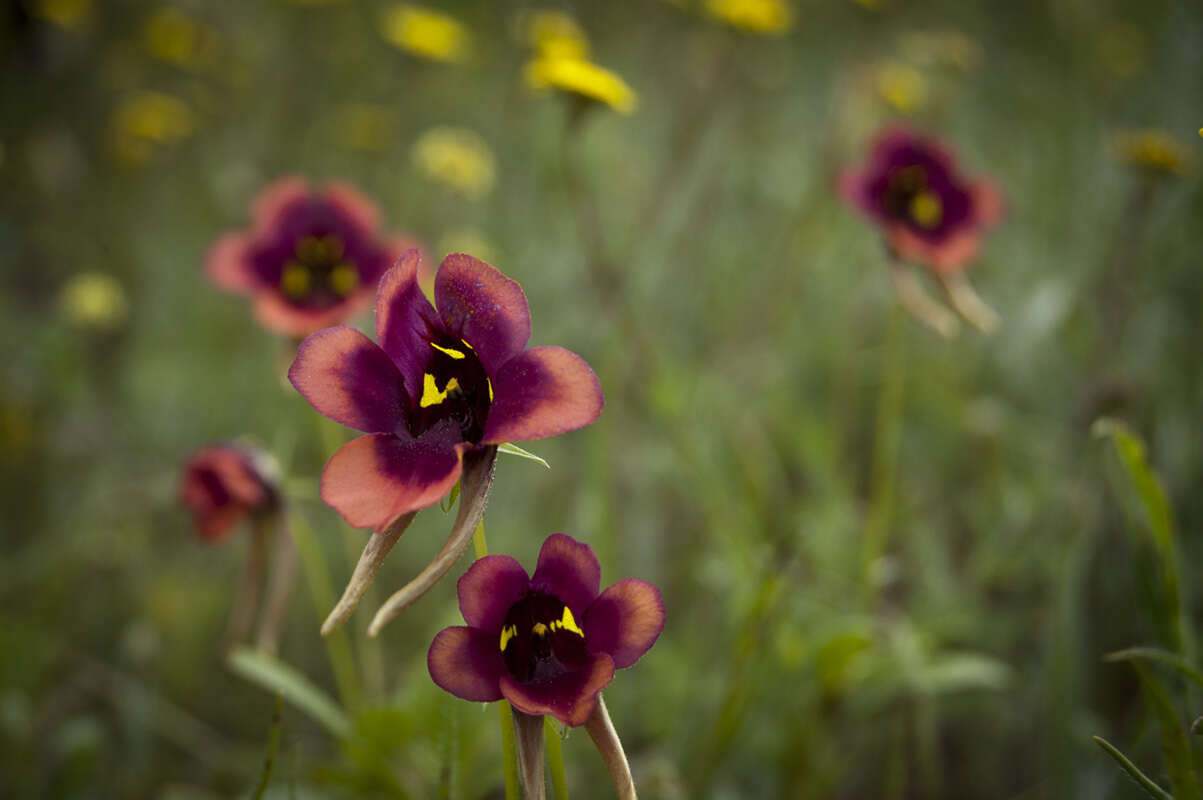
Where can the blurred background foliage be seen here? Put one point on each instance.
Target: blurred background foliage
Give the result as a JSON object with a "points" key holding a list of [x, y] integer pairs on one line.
{"points": [[892, 562]]}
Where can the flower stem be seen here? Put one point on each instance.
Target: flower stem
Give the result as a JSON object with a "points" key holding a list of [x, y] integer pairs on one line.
{"points": [[247, 599], [528, 733], [505, 715], [279, 593], [273, 742], [555, 758], [601, 731]]}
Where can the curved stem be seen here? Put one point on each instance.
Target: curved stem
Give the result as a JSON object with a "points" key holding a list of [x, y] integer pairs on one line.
{"points": [[601, 731], [378, 546], [279, 592], [920, 305], [968, 303], [247, 599], [528, 731], [555, 758], [476, 479]]}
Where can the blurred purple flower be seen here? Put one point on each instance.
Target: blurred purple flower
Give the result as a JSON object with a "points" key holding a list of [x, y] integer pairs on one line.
{"points": [[223, 483], [931, 214], [310, 259], [548, 643], [439, 383]]}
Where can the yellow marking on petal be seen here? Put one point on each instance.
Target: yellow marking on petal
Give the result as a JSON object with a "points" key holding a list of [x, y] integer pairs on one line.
{"points": [[431, 396], [507, 634], [539, 629], [295, 280], [567, 623], [344, 279], [456, 354], [473, 349], [927, 209], [489, 383]]}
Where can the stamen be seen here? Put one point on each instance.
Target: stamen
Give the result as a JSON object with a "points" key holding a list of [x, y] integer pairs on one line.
{"points": [[567, 623], [539, 629], [295, 280], [507, 634], [431, 396], [344, 279], [456, 354], [927, 209]]}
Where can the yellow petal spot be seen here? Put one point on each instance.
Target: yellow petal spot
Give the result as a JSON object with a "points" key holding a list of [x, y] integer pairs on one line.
{"points": [[489, 383], [470, 347], [507, 634], [451, 351], [926, 209], [425, 33], [583, 79], [294, 281], [431, 396], [344, 279], [567, 623], [764, 17], [539, 629]]}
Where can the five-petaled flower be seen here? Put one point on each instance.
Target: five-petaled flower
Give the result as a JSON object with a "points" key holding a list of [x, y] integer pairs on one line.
{"points": [[223, 483], [930, 213], [437, 384], [310, 258], [548, 643]]}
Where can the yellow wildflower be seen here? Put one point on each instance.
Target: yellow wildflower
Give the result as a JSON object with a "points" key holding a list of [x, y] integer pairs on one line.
{"points": [[457, 157], [70, 14], [363, 126], [146, 119], [765, 17], [582, 79], [94, 300], [1155, 150], [172, 36], [425, 33], [554, 34], [901, 86]]}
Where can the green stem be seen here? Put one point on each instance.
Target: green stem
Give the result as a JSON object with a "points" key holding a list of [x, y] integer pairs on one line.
{"points": [[317, 576], [505, 716], [555, 758], [273, 742]]}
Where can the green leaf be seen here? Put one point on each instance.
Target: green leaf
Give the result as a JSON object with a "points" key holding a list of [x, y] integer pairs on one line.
{"points": [[515, 450], [448, 502], [276, 676], [1157, 654], [1134, 773], [1131, 451], [1184, 781], [963, 672]]}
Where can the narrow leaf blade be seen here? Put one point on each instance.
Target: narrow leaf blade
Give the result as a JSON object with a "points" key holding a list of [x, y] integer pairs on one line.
{"points": [[276, 676]]}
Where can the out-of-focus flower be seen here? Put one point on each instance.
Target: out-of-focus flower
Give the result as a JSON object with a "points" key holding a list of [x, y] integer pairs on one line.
{"points": [[901, 86], [94, 300], [1154, 150], [582, 79], [764, 17], [70, 14], [547, 643], [439, 383], [468, 240], [310, 258], [554, 34], [1123, 49], [362, 126], [456, 157], [224, 483], [172, 36], [949, 48], [425, 33], [146, 120], [929, 212]]}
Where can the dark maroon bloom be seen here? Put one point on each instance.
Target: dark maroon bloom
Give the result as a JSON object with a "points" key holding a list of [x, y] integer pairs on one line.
{"points": [[931, 214], [437, 384], [223, 483], [547, 643], [310, 258]]}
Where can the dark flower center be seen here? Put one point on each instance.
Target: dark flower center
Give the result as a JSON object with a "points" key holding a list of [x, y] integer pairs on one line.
{"points": [[909, 198], [318, 274], [541, 640], [454, 386]]}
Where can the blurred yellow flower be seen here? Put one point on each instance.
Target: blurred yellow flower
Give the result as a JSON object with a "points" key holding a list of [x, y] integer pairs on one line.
{"points": [[172, 36], [554, 34], [469, 240], [765, 17], [425, 33], [1155, 150], [901, 86], [582, 79], [363, 126], [456, 157], [94, 300], [146, 119], [64, 13]]}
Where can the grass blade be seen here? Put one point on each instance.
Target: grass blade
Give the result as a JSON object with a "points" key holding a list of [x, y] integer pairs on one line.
{"points": [[1142, 780], [276, 676]]}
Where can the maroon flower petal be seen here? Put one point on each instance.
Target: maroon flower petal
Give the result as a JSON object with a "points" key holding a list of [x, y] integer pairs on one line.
{"points": [[987, 202], [466, 662], [950, 255], [569, 570], [542, 392], [274, 199], [217, 523], [625, 621], [346, 377], [487, 590], [569, 698], [227, 266], [405, 320], [374, 479], [483, 307], [358, 209], [277, 314]]}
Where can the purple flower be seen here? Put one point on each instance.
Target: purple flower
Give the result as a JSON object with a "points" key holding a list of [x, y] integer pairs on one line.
{"points": [[547, 643], [930, 213], [223, 483], [439, 383], [309, 259]]}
